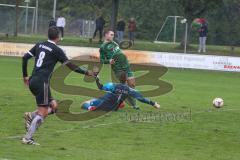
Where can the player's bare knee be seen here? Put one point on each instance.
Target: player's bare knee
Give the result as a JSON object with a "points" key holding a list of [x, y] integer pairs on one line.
{"points": [[42, 111], [131, 83], [53, 106]]}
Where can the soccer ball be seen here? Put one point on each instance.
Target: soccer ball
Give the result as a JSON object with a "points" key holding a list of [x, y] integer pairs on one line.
{"points": [[218, 102], [183, 20]]}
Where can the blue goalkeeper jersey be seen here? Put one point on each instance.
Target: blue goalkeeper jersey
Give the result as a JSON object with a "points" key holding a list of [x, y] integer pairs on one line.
{"points": [[117, 93]]}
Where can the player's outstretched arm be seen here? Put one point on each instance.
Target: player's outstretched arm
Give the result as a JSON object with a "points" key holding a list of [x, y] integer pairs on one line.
{"points": [[99, 85], [142, 99], [25, 59], [106, 87], [77, 69], [61, 57]]}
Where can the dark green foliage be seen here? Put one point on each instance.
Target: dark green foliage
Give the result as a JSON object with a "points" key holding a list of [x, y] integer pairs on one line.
{"points": [[222, 15]]}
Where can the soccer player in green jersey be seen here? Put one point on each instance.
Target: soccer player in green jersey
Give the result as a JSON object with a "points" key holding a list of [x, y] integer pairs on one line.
{"points": [[110, 53]]}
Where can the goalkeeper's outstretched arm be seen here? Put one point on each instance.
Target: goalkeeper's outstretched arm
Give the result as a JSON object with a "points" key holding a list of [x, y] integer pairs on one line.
{"points": [[99, 85], [142, 99]]}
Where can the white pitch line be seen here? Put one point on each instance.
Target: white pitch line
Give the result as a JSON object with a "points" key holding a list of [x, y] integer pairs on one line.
{"points": [[14, 137], [108, 124], [102, 124], [17, 78], [4, 78], [65, 130], [89, 126]]}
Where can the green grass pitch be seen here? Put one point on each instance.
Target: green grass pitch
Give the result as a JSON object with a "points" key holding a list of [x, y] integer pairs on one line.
{"points": [[211, 134]]}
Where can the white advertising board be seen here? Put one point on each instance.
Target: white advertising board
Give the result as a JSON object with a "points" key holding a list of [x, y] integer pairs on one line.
{"points": [[175, 60]]}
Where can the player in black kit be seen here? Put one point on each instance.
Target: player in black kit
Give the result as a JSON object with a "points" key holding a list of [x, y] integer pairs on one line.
{"points": [[46, 54]]}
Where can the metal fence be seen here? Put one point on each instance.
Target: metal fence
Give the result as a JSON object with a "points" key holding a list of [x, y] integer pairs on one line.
{"points": [[32, 21], [25, 21]]}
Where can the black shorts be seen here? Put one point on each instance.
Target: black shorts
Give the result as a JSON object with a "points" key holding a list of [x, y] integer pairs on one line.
{"points": [[41, 90]]}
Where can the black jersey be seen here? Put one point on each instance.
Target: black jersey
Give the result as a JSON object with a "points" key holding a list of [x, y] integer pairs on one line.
{"points": [[46, 54]]}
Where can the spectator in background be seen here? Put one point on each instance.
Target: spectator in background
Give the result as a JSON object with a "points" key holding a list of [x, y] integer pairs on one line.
{"points": [[132, 27], [52, 22], [203, 31], [61, 24], [120, 29], [100, 22]]}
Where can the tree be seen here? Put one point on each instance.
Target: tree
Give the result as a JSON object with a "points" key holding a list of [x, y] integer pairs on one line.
{"points": [[195, 9], [228, 27], [221, 15], [16, 18], [115, 6]]}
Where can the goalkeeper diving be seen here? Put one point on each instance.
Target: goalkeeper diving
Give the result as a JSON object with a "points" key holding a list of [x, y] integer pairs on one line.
{"points": [[115, 96]]}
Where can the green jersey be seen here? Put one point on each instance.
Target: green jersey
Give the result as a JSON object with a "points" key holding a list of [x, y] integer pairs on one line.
{"points": [[111, 50]]}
